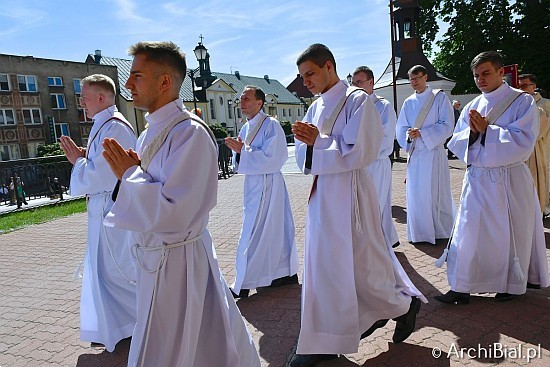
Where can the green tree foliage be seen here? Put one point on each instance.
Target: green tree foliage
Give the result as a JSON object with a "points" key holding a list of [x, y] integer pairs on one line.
{"points": [[219, 131], [48, 150], [518, 29], [287, 127]]}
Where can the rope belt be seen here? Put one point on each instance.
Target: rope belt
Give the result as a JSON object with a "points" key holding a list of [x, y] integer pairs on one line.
{"points": [[166, 246]]}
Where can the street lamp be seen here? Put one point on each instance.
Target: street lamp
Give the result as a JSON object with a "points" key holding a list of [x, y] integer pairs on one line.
{"points": [[200, 53], [235, 104], [192, 76], [349, 79]]}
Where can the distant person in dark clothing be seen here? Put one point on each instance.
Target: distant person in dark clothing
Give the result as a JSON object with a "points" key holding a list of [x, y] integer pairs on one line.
{"points": [[57, 188], [456, 111]]}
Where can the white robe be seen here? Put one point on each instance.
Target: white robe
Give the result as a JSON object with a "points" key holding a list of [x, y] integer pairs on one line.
{"points": [[499, 205], [267, 249], [191, 319], [430, 205], [350, 280], [380, 169], [108, 298]]}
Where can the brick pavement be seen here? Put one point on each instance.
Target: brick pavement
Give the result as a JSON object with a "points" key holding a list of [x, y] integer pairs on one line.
{"points": [[39, 300]]}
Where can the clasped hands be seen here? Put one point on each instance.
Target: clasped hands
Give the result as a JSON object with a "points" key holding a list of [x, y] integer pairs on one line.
{"points": [[413, 132], [478, 123], [235, 145], [305, 132], [119, 159]]}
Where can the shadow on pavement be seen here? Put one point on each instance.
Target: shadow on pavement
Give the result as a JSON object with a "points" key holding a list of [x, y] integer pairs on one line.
{"points": [[276, 313], [118, 358], [399, 214]]}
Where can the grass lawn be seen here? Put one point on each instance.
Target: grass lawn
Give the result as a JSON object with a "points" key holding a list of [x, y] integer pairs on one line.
{"points": [[14, 220]]}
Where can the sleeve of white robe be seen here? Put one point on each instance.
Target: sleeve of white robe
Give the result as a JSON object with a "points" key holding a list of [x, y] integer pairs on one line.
{"points": [[170, 202], [403, 124], [356, 147], [504, 145], [389, 120], [436, 134], [270, 156], [93, 175]]}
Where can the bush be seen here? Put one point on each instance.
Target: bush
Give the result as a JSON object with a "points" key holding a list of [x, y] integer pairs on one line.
{"points": [[47, 150], [287, 127], [219, 131]]}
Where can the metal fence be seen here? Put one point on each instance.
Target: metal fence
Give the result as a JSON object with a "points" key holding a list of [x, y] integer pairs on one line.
{"points": [[37, 174]]}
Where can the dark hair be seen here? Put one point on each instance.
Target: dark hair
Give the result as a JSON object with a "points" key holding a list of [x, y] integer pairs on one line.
{"points": [[488, 56], [366, 70], [532, 78], [164, 53], [317, 53], [258, 92], [417, 69]]}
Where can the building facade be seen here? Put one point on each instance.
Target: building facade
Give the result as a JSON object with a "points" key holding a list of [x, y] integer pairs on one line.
{"points": [[40, 101]]}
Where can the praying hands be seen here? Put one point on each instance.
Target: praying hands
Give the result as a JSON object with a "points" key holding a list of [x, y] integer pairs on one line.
{"points": [[119, 159], [305, 132]]}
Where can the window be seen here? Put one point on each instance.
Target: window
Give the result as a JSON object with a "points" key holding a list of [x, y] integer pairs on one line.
{"points": [[284, 112], [407, 28], [229, 111], [4, 82], [33, 148], [77, 86], [58, 101], [55, 81], [32, 116], [212, 109], [289, 112], [239, 115], [9, 151], [82, 117], [7, 117], [298, 111], [27, 83], [61, 129]]}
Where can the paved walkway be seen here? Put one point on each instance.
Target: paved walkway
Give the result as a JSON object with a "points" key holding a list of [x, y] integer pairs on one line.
{"points": [[39, 300]]}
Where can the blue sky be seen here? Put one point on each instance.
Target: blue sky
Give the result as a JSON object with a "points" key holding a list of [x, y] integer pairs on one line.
{"points": [[254, 37]]}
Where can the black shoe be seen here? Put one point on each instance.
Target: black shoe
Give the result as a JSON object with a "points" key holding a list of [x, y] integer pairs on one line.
{"points": [[284, 281], [378, 324], [405, 323], [395, 244], [242, 294], [453, 297], [96, 345], [533, 286], [422, 243], [503, 297], [309, 360]]}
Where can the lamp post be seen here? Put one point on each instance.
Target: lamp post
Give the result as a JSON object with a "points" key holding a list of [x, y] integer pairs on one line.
{"points": [[192, 76], [200, 53], [349, 77], [235, 103]]}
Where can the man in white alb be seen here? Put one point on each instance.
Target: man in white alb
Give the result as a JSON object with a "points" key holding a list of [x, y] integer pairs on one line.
{"points": [[425, 121], [351, 284], [266, 255], [186, 314], [498, 244], [108, 296], [380, 169]]}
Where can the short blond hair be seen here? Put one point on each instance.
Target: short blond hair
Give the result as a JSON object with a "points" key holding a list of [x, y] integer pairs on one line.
{"points": [[101, 81]]}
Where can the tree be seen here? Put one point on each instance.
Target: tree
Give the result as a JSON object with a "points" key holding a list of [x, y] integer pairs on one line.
{"points": [[287, 127], [219, 131], [518, 30], [47, 150]]}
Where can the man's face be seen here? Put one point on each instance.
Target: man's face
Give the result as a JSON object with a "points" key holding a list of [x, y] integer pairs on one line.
{"points": [[487, 77], [456, 105], [250, 106], [418, 81], [90, 100], [362, 80], [527, 85], [316, 79], [145, 83]]}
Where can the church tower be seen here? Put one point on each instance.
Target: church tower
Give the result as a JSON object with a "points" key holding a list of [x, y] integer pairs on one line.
{"points": [[408, 52]]}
